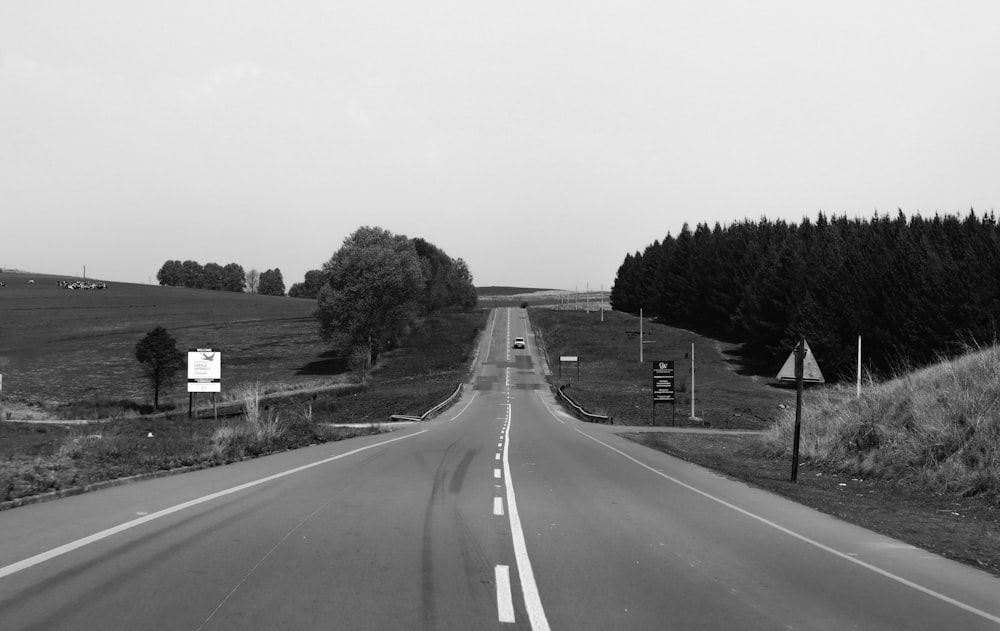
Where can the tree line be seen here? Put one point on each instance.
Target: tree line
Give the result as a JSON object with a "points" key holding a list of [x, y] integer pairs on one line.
{"points": [[377, 285], [231, 277], [914, 289]]}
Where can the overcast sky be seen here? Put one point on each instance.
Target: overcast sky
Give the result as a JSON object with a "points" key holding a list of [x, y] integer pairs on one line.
{"points": [[539, 141]]}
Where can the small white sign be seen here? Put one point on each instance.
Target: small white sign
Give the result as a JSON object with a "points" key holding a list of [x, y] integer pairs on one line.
{"points": [[204, 370]]}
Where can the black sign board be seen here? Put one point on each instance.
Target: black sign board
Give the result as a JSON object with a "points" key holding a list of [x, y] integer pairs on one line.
{"points": [[663, 382]]}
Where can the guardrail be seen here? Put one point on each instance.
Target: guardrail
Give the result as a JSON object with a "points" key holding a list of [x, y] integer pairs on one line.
{"points": [[431, 412], [580, 412]]}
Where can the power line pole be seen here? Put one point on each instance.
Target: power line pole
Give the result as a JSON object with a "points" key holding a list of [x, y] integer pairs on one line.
{"points": [[640, 335], [692, 381]]}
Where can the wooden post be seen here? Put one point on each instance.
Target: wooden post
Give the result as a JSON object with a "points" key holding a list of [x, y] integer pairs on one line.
{"points": [[800, 355]]}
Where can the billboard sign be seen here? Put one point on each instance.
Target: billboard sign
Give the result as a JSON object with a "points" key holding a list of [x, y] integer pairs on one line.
{"points": [[204, 370], [663, 382]]}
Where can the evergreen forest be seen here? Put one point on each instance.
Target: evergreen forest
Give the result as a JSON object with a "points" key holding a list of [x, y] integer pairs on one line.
{"points": [[914, 289]]}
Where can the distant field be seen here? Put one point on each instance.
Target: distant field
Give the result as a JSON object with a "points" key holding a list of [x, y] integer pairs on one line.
{"points": [[63, 345], [558, 298], [486, 292]]}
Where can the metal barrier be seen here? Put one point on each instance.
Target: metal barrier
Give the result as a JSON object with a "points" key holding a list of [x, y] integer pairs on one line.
{"points": [[431, 412], [582, 413]]}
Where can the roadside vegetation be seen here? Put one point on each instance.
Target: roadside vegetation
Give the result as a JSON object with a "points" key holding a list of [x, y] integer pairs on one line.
{"points": [[916, 457], [253, 417], [937, 428]]}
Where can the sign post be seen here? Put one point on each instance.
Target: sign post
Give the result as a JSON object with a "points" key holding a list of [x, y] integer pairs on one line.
{"points": [[800, 354], [204, 373], [572, 359], [800, 367], [663, 387]]}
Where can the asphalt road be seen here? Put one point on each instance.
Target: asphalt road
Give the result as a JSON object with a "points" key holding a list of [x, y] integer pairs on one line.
{"points": [[501, 513]]}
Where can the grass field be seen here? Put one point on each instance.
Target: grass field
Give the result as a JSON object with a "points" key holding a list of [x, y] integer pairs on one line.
{"points": [[610, 380], [944, 519], [71, 354], [64, 346]]}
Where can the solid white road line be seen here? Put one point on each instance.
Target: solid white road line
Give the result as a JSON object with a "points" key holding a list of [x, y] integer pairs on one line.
{"points": [[542, 399], [508, 334], [529, 590], [804, 539], [13, 568], [471, 399], [505, 603], [489, 339]]}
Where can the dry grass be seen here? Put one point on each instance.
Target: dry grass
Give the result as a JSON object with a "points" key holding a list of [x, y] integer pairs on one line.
{"points": [[257, 431], [938, 427]]}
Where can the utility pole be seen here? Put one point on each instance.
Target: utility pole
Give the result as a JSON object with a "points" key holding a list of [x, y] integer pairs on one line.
{"points": [[692, 381], [640, 335]]}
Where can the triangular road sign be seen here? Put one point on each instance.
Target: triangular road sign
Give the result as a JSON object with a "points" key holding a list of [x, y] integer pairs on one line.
{"points": [[810, 369]]}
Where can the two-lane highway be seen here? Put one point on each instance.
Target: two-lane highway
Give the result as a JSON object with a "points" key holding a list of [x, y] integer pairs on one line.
{"points": [[504, 512]]}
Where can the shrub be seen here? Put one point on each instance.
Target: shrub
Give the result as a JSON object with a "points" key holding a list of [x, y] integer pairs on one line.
{"points": [[257, 432]]}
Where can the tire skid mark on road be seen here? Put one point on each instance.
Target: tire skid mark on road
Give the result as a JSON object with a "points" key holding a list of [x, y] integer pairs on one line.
{"points": [[260, 561]]}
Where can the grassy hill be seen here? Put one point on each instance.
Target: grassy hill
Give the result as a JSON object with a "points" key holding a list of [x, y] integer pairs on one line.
{"points": [[62, 345], [938, 428]]}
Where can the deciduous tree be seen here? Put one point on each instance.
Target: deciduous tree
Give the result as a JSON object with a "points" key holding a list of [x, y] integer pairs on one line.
{"points": [[252, 281], [171, 274], [233, 277], [375, 285], [160, 358], [271, 283], [309, 288]]}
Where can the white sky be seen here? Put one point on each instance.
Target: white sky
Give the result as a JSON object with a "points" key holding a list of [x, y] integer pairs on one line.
{"points": [[539, 141]]}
